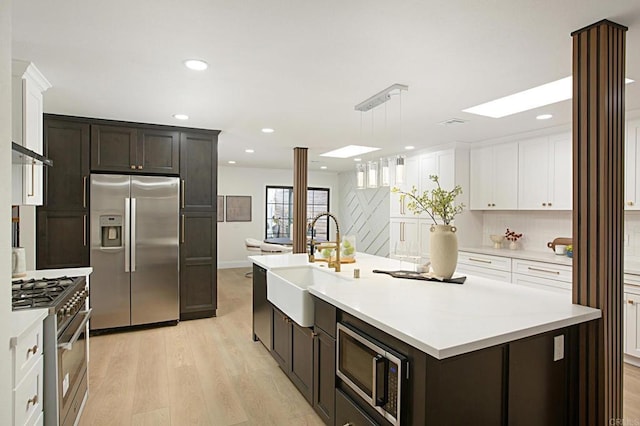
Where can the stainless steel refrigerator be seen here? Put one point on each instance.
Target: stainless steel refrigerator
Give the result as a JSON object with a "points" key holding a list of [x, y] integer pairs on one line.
{"points": [[134, 250]]}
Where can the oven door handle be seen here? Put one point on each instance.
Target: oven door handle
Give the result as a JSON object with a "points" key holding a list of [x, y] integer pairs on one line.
{"points": [[68, 345], [379, 393]]}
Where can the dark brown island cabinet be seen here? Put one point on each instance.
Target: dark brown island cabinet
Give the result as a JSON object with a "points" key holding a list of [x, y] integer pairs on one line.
{"points": [[305, 354], [79, 146], [523, 382]]}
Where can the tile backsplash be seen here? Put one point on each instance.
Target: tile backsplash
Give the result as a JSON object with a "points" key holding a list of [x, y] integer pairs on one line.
{"points": [[540, 227]]}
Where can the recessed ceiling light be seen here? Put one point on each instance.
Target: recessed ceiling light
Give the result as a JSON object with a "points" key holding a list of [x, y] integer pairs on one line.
{"points": [[181, 116], [196, 64], [231, 162], [249, 151], [409, 147], [267, 130], [349, 151], [357, 159], [323, 167], [546, 94], [544, 117]]}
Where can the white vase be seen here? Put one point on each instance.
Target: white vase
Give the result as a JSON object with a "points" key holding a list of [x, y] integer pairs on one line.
{"points": [[443, 250]]}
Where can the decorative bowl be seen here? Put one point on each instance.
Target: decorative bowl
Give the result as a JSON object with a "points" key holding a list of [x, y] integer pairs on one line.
{"points": [[497, 240]]}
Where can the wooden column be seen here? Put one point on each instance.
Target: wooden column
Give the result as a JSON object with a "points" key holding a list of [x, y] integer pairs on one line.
{"points": [[598, 215], [299, 230]]}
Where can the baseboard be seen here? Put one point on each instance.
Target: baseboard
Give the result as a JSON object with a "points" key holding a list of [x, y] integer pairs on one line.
{"points": [[630, 359], [229, 264]]}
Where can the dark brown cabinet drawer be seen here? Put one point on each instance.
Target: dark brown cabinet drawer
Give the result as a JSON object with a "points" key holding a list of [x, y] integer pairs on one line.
{"points": [[348, 413], [325, 316]]}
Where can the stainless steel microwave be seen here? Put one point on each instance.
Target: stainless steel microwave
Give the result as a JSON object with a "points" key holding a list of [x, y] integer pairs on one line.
{"points": [[375, 372]]}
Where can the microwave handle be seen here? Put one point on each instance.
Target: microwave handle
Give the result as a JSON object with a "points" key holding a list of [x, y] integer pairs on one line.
{"points": [[380, 391]]}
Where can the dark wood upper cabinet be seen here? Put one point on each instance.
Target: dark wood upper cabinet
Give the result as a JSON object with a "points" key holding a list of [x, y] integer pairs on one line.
{"points": [[158, 151], [113, 149], [198, 170], [62, 239], [65, 184], [131, 150]]}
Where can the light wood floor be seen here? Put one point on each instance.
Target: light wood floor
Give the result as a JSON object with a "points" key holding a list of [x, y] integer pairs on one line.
{"points": [[210, 372], [206, 372]]}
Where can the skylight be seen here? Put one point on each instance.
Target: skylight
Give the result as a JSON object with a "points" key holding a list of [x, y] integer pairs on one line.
{"points": [[349, 151], [546, 94]]}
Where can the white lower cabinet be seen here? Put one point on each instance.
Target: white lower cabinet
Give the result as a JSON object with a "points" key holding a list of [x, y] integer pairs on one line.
{"points": [[486, 266], [632, 325], [537, 274], [27, 366]]}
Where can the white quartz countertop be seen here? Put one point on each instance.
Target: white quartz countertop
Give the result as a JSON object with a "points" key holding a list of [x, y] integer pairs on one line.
{"points": [[442, 319], [23, 320], [56, 273]]}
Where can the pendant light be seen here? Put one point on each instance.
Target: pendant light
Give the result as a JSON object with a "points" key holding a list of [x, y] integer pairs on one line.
{"points": [[360, 176], [376, 173], [384, 172], [399, 170], [372, 174]]}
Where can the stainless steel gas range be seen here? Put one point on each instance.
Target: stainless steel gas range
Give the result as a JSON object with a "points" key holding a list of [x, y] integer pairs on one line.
{"points": [[65, 342]]}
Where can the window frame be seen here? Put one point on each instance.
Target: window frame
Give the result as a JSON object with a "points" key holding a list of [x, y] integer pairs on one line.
{"points": [[289, 220]]}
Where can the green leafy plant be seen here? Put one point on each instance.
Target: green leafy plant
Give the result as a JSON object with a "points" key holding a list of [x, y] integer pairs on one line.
{"points": [[437, 203]]}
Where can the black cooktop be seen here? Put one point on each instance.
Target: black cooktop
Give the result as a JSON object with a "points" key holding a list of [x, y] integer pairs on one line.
{"points": [[40, 293]]}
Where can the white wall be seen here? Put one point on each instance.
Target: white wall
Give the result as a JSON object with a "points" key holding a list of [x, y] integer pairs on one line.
{"points": [[253, 182], [5, 211], [365, 214]]}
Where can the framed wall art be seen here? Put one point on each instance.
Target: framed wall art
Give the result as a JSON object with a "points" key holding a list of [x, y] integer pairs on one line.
{"points": [[220, 208], [238, 208]]}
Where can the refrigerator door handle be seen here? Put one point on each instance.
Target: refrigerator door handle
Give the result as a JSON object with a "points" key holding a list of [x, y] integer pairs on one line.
{"points": [[127, 241], [133, 235]]}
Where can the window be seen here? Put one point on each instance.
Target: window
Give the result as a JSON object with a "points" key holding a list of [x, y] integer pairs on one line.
{"points": [[279, 212]]}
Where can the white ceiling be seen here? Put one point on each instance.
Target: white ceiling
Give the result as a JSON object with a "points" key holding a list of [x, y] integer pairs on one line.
{"points": [[301, 66]]}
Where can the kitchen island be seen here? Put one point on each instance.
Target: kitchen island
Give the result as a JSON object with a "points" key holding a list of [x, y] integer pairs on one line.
{"points": [[485, 351]]}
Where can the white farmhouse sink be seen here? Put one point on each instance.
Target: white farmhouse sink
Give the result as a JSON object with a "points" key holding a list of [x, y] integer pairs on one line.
{"points": [[287, 289]]}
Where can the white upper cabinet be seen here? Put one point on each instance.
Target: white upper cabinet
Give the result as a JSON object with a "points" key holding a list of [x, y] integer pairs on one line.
{"points": [[494, 177], [631, 164], [410, 178], [27, 87], [545, 173]]}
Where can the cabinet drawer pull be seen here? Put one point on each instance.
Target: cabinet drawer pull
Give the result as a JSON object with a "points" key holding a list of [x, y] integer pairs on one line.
{"points": [[140, 167], [549, 204], [133, 167], [84, 230], [314, 334], [33, 350], [631, 302], [544, 270], [629, 203], [544, 204], [84, 192], [182, 238], [33, 400], [183, 189], [473, 259]]}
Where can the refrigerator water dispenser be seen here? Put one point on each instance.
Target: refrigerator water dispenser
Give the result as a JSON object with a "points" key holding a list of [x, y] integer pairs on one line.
{"points": [[111, 231]]}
